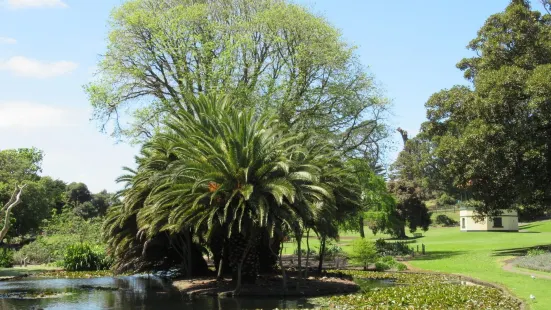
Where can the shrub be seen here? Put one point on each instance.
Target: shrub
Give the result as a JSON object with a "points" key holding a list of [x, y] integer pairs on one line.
{"points": [[388, 259], [535, 252], [401, 266], [336, 253], [37, 252], [381, 266], [60, 232], [446, 199], [83, 257], [364, 252], [445, 220], [6, 258], [531, 212], [333, 250], [392, 249], [391, 262]]}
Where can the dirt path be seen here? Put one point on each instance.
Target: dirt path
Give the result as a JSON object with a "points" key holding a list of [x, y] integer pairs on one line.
{"points": [[510, 267]]}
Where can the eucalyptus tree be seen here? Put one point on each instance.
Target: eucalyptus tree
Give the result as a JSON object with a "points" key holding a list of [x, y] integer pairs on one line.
{"points": [[274, 53]]}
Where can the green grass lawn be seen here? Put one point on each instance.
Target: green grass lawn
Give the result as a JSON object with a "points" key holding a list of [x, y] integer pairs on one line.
{"points": [[477, 254], [480, 255], [30, 269]]}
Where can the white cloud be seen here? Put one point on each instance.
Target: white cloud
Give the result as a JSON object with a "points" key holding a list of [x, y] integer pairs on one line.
{"points": [[22, 4], [29, 115], [26, 67], [7, 40]]}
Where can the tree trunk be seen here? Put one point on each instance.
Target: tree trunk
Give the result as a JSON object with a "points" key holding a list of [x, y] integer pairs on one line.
{"points": [[12, 203], [218, 244], [322, 253], [189, 263], [220, 274], [267, 249], [362, 232], [283, 274], [402, 233], [307, 253], [299, 258], [245, 256]]}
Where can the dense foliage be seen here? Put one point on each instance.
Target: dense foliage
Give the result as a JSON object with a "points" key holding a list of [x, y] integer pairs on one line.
{"points": [[42, 196], [445, 220], [364, 252], [6, 258], [84, 257], [60, 232], [385, 248], [490, 141], [410, 208], [274, 54]]}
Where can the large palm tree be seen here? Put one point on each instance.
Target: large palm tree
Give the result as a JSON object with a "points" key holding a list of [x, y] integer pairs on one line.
{"points": [[218, 173], [234, 170]]}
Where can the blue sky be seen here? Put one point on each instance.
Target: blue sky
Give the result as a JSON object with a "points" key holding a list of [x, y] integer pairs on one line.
{"points": [[49, 48]]}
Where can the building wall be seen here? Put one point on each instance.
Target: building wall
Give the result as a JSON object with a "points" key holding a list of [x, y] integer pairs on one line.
{"points": [[509, 222]]}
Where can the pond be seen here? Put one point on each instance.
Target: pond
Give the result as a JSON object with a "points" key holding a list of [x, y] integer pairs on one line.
{"points": [[129, 292]]}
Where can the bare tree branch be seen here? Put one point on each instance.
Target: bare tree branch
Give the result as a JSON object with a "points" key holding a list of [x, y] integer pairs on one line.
{"points": [[14, 201]]}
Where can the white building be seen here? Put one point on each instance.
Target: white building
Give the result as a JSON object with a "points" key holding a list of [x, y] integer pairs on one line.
{"points": [[507, 221]]}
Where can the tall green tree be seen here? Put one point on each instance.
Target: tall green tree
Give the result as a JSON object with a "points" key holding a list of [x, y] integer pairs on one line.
{"points": [[276, 54], [494, 137], [19, 165], [77, 193]]}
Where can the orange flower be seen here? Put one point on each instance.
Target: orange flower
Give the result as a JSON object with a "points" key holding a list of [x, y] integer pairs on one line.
{"points": [[213, 186]]}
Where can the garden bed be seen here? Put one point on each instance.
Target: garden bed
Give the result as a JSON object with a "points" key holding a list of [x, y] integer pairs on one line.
{"points": [[540, 262]]}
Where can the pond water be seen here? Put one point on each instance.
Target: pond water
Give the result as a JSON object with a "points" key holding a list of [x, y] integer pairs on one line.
{"points": [[131, 292]]}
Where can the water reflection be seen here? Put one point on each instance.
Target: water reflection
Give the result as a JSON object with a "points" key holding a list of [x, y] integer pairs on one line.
{"points": [[133, 292]]}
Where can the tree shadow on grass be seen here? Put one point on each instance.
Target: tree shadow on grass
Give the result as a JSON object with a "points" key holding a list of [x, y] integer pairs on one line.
{"points": [[437, 255], [530, 225], [519, 251]]}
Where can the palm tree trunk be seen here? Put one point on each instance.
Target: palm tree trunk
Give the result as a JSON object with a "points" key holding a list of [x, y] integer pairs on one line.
{"points": [[322, 253], [307, 253], [283, 274], [189, 245], [250, 243], [266, 249], [299, 250]]}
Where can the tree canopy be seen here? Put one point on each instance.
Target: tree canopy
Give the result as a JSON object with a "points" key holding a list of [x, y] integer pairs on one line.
{"points": [[491, 141], [276, 55]]}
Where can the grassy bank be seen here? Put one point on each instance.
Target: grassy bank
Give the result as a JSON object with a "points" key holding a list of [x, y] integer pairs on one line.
{"points": [[30, 269]]}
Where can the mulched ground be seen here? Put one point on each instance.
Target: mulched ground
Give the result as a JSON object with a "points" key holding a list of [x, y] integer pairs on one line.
{"points": [[271, 285]]}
